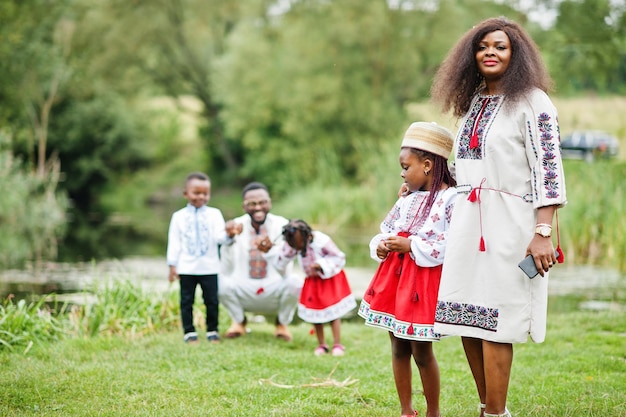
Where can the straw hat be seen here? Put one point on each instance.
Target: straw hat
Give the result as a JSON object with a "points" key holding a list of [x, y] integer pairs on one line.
{"points": [[429, 136]]}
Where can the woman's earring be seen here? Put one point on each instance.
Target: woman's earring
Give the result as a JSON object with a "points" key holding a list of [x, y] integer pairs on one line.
{"points": [[426, 172]]}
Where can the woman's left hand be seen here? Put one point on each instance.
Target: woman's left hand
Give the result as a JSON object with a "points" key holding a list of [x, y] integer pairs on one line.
{"points": [[543, 253]]}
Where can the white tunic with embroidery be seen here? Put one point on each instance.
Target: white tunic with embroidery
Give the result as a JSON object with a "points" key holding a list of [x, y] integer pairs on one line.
{"points": [[193, 240], [402, 296], [517, 165], [246, 284]]}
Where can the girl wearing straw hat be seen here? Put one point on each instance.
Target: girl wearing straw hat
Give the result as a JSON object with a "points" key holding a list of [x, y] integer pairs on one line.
{"points": [[410, 247]]}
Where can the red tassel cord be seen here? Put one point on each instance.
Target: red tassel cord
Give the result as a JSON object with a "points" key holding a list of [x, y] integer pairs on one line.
{"points": [[474, 197], [414, 298], [474, 138], [561, 256]]}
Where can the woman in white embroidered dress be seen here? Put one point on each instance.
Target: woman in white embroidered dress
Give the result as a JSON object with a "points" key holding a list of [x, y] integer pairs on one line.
{"points": [[508, 159]]}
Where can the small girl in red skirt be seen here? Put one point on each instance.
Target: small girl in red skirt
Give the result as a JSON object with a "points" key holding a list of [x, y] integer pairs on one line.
{"points": [[410, 247], [326, 295]]}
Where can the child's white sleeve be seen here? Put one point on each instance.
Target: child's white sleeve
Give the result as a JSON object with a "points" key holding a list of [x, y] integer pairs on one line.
{"points": [[374, 244], [219, 228], [328, 256], [173, 242], [429, 252], [280, 255]]}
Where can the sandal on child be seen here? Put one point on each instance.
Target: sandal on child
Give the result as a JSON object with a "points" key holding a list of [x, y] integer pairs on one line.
{"points": [[410, 415], [338, 349], [321, 350]]}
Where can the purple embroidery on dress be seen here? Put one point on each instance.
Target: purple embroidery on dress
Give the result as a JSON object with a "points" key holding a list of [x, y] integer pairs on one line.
{"points": [[467, 315], [548, 163]]}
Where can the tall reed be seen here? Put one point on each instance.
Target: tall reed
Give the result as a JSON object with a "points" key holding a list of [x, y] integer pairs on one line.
{"points": [[593, 223], [123, 307]]}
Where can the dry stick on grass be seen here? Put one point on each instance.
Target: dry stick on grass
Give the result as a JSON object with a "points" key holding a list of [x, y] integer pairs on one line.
{"points": [[327, 382]]}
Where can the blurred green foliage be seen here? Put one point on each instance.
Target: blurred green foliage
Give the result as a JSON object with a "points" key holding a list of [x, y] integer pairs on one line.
{"points": [[23, 324], [32, 213], [593, 225]]}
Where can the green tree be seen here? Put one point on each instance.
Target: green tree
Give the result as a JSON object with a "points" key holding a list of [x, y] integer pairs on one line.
{"points": [[312, 94], [32, 213], [588, 47], [34, 45], [65, 121], [169, 47]]}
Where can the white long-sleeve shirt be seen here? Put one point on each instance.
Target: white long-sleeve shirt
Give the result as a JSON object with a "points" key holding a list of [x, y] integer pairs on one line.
{"points": [[236, 256], [428, 240], [194, 238]]}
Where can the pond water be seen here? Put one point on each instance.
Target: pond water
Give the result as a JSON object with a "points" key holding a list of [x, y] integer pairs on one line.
{"points": [[151, 274]]}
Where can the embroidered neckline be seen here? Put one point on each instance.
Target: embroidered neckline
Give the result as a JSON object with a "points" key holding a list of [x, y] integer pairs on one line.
{"points": [[490, 95]]}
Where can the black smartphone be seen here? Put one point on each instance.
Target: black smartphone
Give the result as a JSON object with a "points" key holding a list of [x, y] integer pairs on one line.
{"points": [[528, 266]]}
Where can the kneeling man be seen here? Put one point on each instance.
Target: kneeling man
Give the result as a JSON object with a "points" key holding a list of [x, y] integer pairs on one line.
{"points": [[247, 282]]}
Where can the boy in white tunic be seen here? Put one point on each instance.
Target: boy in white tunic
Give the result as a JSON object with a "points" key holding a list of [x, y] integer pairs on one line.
{"points": [[195, 233]]}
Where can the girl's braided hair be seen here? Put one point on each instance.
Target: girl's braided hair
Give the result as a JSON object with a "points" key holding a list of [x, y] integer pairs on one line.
{"points": [[297, 225]]}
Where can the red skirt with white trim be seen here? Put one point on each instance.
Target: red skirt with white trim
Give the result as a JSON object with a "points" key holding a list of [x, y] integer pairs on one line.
{"points": [[402, 298], [324, 300]]}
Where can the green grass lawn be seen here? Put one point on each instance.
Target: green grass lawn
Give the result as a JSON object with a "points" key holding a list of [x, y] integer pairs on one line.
{"points": [[579, 371]]}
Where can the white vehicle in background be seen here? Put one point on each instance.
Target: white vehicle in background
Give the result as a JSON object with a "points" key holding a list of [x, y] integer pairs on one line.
{"points": [[589, 145]]}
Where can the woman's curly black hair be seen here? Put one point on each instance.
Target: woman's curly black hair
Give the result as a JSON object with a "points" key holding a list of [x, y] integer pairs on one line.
{"points": [[290, 229], [457, 80]]}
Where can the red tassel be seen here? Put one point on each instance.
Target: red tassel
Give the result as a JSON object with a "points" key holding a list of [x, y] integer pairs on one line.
{"points": [[410, 329], [312, 331], [473, 196], [260, 291], [482, 244], [561, 257], [474, 141]]}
